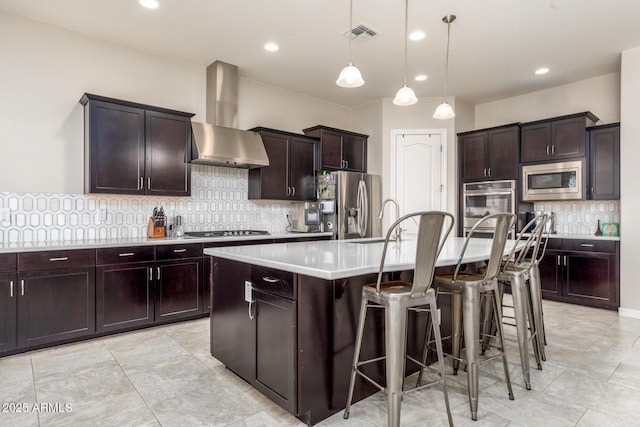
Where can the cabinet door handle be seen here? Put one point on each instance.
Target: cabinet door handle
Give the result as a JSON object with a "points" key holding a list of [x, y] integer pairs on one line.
{"points": [[558, 259], [288, 191], [565, 260], [141, 185], [158, 273], [22, 287], [11, 289], [586, 245], [148, 183], [64, 258], [270, 280], [150, 273], [293, 193], [126, 254], [251, 316], [592, 192], [553, 149], [547, 150], [346, 162], [177, 251], [489, 171]]}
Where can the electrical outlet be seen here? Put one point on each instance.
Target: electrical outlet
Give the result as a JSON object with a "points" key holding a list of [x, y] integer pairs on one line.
{"points": [[5, 217], [101, 215]]}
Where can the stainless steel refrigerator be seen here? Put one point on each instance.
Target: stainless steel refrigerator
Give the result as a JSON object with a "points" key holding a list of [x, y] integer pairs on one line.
{"points": [[350, 204]]}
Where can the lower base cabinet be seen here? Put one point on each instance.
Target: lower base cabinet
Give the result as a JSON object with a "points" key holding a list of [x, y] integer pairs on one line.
{"points": [[8, 307], [55, 305], [582, 272], [253, 330], [178, 289]]}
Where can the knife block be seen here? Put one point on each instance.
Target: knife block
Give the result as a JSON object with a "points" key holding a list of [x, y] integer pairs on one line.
{"points": [[155, 232]]}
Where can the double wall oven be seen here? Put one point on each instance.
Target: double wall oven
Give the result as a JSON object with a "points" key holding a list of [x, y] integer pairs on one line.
{"points": [[487, 198]]}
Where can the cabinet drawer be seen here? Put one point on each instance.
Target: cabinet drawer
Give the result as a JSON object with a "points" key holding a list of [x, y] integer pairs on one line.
{"points": [[589, 245], [272, 281], [7, 263], [55, 259], [554, 243], [193, 250], [127, 254]]}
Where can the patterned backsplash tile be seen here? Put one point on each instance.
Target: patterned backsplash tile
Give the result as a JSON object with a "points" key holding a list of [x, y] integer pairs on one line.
{"points": [[581, 217], [218, 202]]}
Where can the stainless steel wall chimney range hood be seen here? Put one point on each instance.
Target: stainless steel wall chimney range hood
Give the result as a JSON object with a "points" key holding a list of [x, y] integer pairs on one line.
{"points": [[218, 142]]}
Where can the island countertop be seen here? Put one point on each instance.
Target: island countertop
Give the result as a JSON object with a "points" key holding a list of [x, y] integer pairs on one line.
{"points": [[337, 259]]}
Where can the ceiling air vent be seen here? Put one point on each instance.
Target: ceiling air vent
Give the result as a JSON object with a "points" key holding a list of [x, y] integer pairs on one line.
{"points": [[360, 32]]}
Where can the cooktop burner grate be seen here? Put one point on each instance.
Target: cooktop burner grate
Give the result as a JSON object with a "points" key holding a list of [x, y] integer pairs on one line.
{"points": [[226, 233]]}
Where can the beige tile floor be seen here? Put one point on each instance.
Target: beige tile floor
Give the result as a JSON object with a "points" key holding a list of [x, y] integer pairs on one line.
{"points": [[165, 376]]}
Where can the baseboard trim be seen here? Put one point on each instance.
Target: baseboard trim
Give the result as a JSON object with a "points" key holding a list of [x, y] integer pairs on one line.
{"points": [[627, 312]]}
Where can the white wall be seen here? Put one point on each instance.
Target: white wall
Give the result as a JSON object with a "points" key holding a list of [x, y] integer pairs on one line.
{"points": [[629, 200], [600, 95], [367, 119], [45, 70]]}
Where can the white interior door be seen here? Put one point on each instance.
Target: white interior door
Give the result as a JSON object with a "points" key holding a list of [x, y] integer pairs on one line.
{"points": [[418, 171]]}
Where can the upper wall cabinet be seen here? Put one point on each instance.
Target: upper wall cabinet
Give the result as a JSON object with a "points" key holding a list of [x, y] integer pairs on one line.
{"points": [[340, 149], [556, 138], [136, 149], [490, 154], [292, 167], [604, 162]]}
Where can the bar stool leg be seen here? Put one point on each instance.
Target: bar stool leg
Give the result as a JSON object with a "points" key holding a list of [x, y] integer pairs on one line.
{"points": [[438, 338], [500, 331], [518, 292], [364, 303], [395, 323], [536, 302], [456, 330], [471, 323], [535, 336]]}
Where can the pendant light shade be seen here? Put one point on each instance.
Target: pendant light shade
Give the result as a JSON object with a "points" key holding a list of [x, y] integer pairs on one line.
{"points": [[350, 75], [445, 111], [405, 95]]}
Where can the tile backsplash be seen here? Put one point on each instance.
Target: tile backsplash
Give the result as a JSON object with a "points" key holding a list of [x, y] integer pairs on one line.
{"points": [[218, 202], [581, 217]]}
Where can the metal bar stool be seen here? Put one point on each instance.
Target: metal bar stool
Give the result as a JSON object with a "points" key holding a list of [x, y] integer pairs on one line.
{"points": [[466, 289], [396, 298], [517, 272]]}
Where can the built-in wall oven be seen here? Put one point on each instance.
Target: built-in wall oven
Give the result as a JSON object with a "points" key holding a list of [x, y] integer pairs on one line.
{"points": [[487, 198]]}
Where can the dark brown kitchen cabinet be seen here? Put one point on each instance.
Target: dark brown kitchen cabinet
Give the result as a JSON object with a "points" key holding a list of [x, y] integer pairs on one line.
{"points": [[604, 162], [582, 272], [179, 282], [56, 296], [8, 302], [340, 149], [490, 154], [133, 148], [291, 171], [125, 294], [253, 327], [557, 138]]}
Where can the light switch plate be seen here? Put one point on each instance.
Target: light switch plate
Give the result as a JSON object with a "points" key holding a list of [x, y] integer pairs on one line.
{"points": [[5, 217], [247, 291], [101, 215]]}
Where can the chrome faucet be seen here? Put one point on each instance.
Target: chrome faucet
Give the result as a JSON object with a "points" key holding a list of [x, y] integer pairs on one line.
{"points": [[397, 236]]}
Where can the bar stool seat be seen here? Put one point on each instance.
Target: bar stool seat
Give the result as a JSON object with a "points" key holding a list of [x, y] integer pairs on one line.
{"points": [[466, 289], [396, 297]]}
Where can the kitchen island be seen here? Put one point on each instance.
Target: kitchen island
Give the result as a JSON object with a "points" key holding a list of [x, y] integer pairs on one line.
{"points": [[284, 316]]}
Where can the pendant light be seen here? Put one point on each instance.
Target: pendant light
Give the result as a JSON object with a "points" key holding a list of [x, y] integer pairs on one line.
{"points": [[444, 110], [405, 95], [350, 75]]}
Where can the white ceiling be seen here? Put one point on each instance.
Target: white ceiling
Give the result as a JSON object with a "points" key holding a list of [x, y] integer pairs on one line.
{"points": [[495, 44]]}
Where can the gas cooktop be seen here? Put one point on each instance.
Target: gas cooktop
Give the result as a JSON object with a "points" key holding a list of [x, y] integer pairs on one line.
{"points": [[226, 233]]}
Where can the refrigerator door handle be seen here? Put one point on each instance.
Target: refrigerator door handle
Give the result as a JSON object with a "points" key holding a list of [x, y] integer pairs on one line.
{"points": [[364, 212]]}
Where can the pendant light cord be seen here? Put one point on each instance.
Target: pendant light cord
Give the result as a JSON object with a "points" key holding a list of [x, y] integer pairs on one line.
{"points": [[350, 28], [446, 61], [406, 19]]}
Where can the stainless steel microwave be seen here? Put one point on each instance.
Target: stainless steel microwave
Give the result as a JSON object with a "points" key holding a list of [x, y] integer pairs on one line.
{"points": [[553, 181]]}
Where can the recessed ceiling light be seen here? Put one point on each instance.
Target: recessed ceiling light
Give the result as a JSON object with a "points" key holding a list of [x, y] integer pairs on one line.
{"points": [[543, 70], [421, 77], [271, 47], [417, 35], [149, 4]]}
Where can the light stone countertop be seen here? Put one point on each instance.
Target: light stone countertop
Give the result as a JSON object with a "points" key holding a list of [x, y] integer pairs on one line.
{"points": [[141, 241], [337, 259]]}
